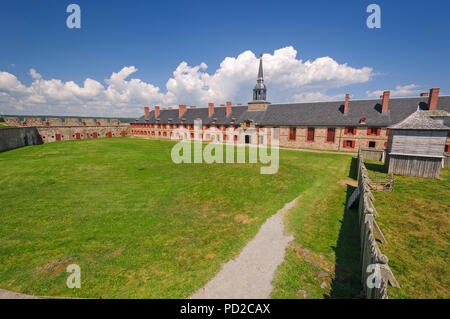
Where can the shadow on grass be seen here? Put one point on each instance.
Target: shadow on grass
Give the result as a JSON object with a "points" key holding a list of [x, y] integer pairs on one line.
{"points": [[376, 167], [353, 172], [347, 280]]}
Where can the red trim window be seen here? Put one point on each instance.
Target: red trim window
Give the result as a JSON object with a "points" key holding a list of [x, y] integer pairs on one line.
{"points": [[292, 133], [350, 130], [387, 132], [373, 131], [331, 134], [310, 135], [348, 144]]}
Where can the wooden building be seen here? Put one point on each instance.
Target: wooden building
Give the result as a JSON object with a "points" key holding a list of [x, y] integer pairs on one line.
{"points": [[416, 145]]}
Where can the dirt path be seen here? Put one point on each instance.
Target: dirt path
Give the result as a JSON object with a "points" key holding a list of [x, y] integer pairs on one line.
{"points": [[6, 294], [249, 276]]}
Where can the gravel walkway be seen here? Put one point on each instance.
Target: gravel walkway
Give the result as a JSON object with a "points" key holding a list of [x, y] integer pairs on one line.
{"points": [[249, 276], [6, 294]]}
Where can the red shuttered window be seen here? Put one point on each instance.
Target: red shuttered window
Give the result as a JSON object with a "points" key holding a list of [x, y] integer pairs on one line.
{"points": [[310, 135], [373, 131], [292, 133], [330, 134]]}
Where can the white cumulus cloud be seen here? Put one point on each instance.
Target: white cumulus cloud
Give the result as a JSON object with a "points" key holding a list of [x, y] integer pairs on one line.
{"points": [[288, 78], [402, 91]]}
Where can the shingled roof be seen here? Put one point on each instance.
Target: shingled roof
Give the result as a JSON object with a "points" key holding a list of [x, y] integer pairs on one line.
{"points": [[419, 120], [307, 114]]}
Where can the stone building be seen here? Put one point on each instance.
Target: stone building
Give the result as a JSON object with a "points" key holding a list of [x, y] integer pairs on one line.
{"points": [[341, 126], [56, 129]]}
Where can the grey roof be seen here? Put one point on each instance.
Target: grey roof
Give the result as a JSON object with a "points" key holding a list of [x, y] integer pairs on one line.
{"points": [[436, 113], [309, 114], [419, 121]]}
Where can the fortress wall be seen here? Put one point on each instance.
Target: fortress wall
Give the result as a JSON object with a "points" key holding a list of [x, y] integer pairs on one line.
{"points": [[12, 121], [34, 131], [33, 121], [64, 133], [88, 122], [54, 121], [71, 122], [15, 137], [102, 122]]}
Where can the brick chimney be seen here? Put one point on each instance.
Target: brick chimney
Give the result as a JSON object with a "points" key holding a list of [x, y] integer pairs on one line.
{"points": [[433, 99], [192, 107], [228, 108], [181, 110], [210, 109], [156, 111], [347, 98], [385, 105], [146, 111], [239, 104], [169, 107], [424, 94]]}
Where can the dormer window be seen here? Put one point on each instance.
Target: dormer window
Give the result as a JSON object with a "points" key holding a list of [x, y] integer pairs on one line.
{"points": [[362, 120]]}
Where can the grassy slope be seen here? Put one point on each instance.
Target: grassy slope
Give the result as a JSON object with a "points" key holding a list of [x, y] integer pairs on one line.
{"points": [[321, 225], [415, 221], [139, 225]]}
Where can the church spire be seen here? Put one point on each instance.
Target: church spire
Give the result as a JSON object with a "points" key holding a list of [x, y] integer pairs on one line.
{"points": [[259, 91], [260, 72]]}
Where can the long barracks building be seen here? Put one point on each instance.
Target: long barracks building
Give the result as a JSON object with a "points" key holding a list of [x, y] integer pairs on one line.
{"points": [[341, 125]]}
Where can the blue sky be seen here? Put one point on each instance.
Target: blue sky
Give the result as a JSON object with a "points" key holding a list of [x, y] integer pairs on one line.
{"points": [[409, 54]]}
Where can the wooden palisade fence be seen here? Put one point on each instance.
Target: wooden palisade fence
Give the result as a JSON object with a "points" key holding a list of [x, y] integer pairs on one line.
{"points": [[370, 252], [372, 154], [446, 160]]}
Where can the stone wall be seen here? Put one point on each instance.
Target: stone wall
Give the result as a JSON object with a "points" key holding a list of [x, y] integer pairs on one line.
{"points": [[54, 121], [32, 121], [55, 129], [64, 133], [72, 122], [12, 121], [361, 137], [15, 137]]}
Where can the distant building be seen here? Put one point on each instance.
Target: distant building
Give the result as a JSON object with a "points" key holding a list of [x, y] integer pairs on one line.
{"points": [[341, 125], [416, 144]]}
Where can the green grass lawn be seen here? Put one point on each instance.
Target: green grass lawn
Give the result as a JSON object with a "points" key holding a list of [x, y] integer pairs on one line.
{"points": [[323, 260], [141, 226], [416, 223]]}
